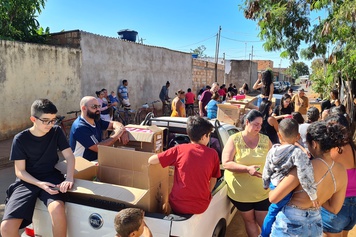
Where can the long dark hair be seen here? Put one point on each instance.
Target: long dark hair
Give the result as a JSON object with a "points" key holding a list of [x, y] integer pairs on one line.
{"points": [[265, 108], [267, 78], [284, 97]]}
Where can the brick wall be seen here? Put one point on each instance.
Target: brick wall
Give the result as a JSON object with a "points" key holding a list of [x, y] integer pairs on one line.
{"points": [[203, 74], [263, 64], [68, 39]]}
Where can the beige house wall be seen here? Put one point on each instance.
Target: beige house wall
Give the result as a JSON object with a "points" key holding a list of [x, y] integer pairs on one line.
{"points": [[31, 71], [107, 61]]}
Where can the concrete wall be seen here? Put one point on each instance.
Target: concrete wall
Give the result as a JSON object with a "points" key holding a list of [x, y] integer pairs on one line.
{"points": [[31, 71], [239, 72], [107, 61]]}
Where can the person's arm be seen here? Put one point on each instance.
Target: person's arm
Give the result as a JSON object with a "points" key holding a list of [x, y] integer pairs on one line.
{"points": [[146, 231], [212, 183], [153, 160], [276, 114], [271, 90], [228, 162], [118, 127], [257, 85], [287, 185], [201, 113], [119, 132], [68, 183], [21, 173], [273, 122]]}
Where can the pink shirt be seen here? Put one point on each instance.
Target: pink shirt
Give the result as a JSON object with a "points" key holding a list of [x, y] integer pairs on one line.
{"points": [[351, 183]]}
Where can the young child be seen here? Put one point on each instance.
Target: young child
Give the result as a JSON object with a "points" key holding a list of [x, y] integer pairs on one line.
{"points": [[129, 223], [34, 151], [196, 169], [279, 161]]}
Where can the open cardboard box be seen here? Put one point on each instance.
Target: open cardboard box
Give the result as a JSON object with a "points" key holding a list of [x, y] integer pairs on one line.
{"points": [[144, 138], [124, 179], [229, 113]]}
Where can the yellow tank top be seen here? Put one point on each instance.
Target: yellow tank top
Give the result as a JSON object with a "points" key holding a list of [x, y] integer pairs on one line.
{"points": [[174, 110], [241, 186]]}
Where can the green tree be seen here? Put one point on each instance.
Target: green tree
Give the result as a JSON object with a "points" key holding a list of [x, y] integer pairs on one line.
{"points": [[297, 69], [18, 20], [321, 83], [199, 51], [288, 24]]}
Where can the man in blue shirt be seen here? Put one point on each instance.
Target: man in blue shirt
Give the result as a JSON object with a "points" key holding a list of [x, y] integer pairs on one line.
{"points": [[163, 94], [86, 131], [123, 94]]}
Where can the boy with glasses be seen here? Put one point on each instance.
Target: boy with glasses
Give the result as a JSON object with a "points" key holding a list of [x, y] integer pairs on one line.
{"points": [[197, 168], [34, 151], [86, 131]]}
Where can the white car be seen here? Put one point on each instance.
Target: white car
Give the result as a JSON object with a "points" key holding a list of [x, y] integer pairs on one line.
{"points": [[93, 219]]}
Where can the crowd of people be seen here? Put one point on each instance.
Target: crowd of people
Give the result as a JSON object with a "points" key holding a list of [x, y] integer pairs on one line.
{"points": [[290, 171]]}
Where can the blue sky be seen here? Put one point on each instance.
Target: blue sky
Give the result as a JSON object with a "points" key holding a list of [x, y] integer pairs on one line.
{"points": [[179, 25]]}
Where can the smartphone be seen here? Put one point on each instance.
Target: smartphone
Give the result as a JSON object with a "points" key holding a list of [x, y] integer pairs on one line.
{"points": [[54, 188]]}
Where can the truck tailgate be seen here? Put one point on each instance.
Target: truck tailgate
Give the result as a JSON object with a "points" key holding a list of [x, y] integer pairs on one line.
{"points": [[91, 221]]}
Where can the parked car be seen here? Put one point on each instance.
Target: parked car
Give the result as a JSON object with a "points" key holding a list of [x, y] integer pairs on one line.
{"points": [[277, 87], [96, 219], [286, 84]]}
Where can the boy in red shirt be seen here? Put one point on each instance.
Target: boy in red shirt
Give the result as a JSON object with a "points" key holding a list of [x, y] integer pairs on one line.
{"points": [[197, 168], [189, 98]]}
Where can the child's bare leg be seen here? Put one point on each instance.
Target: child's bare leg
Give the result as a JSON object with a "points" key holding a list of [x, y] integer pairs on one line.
{"points": [[10, 227], [58, 216]]}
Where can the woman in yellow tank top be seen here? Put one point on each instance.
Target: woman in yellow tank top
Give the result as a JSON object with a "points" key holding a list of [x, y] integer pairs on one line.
{"points": [[243, 158], [178, 107]]}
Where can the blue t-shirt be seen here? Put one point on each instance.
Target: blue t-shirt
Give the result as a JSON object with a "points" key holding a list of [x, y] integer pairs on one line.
{"points": [[123, 92], [84, 135], [212, 109]]}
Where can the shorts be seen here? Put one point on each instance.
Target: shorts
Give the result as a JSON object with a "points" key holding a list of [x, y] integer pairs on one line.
{"points": [[21, 200], [344, 220], [248, 206], [292, 221]]}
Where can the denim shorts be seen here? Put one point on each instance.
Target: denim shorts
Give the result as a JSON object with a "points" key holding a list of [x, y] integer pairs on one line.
{"points": [[292, 221], [344, 220]]}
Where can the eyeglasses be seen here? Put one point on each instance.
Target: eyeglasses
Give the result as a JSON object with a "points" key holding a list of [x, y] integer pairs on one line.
{"points": [[47, 122], [95, 106]]}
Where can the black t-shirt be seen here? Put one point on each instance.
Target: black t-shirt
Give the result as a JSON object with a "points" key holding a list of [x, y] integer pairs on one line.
{"points": [[40, 153], [278, 111]]}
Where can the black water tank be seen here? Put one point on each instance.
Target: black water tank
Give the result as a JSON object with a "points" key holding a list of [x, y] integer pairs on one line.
{"points": [[127, 34]]}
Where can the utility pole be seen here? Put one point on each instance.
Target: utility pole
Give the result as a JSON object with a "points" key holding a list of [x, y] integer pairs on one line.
{"points": [[217, 54], [224, 68]]}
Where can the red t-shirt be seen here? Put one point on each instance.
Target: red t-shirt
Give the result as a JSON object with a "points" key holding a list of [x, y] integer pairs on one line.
{"points": [[189, 98], [195, 165], [222, 92]]}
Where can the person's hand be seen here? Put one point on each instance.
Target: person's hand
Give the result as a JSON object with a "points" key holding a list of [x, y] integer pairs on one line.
{"points": [[65, 185], [201, 113], [253, 170], [316, 203], [124, 138], [49, 187]]}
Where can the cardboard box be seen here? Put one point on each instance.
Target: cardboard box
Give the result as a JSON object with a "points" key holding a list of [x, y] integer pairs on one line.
{"points": [[124, 179], [229, 113], [144, 138]]}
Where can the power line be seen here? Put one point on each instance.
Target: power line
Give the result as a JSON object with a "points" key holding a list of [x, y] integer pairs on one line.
{"points": [[243, 41], [198, 42]]}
